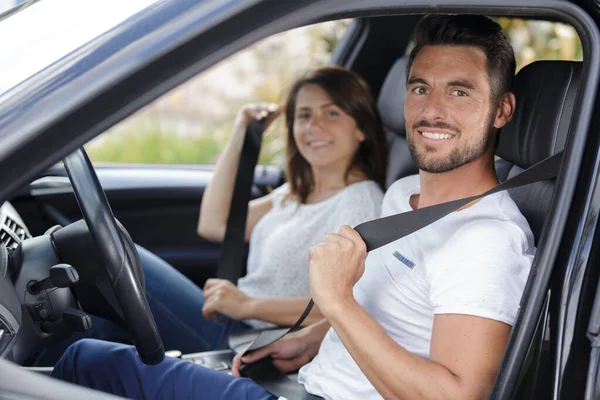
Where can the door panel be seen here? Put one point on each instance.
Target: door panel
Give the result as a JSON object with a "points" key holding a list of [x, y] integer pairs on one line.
{"points": [[159, 206]]}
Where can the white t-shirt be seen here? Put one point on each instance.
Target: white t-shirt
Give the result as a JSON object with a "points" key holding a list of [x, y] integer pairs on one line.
{"points": [[474, 261], [278, 258]]}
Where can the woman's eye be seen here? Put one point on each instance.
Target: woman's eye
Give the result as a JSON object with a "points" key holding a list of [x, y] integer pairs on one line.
{"points": [[419, 90], [459, 93], [303, 116], [332, 113]]}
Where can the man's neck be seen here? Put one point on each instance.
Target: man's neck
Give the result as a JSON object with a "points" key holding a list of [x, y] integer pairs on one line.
{"points": [[471, 179]]}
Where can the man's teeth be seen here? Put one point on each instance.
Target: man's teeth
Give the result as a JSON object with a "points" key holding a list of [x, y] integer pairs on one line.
{"points": [[437, 136]]}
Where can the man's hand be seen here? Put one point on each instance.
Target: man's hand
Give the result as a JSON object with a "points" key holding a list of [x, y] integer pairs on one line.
{"points": [[223, 297], [289, 354], [336, 265]]}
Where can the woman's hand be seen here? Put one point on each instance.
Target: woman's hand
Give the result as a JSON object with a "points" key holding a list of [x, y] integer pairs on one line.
{"points": [[223, 297], [253, 112]]}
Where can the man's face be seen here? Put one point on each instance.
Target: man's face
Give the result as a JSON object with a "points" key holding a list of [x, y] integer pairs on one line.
{"points": [[448, 111]]}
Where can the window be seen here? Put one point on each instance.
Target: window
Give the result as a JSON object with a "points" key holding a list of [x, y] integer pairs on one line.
{"points": [[541, 40], [191, 124]]}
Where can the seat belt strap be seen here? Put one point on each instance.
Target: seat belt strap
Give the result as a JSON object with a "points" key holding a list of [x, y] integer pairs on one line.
{"points": [[382, 231], [232, 262]]}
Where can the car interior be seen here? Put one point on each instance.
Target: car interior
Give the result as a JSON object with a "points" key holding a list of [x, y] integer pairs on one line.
{"points": [[157, 208]]}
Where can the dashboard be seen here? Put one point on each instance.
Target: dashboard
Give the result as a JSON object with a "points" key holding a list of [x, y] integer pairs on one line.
{"points": [[12, 232]]}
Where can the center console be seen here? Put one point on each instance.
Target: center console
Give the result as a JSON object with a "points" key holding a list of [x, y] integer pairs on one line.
{"points": [[219, 360]]}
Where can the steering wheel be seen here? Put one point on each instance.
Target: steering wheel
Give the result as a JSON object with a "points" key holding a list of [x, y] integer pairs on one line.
{"points": [[120, 264]]}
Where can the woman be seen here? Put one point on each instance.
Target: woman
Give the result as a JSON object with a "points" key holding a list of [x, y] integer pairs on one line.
{"points": [[335, 165], [336, 162]]}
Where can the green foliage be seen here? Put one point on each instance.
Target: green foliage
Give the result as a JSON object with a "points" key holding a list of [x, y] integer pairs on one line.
{"points": [[155, 147]]}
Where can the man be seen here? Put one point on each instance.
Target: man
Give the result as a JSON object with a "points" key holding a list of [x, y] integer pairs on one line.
{"points": [[427, 316]]}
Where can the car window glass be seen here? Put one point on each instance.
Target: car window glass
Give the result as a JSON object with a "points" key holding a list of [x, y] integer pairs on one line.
{"points": [[541, 40], [39, 33], [191, 124]]}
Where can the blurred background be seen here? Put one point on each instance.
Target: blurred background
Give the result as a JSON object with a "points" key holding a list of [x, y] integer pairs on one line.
{"points": [[191, 124]]}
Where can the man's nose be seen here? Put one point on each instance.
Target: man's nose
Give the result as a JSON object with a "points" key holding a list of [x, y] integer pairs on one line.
{"points": [[434, 107]]}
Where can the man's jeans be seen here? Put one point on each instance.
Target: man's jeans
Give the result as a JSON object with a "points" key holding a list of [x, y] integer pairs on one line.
{"points": [[117, 369]]}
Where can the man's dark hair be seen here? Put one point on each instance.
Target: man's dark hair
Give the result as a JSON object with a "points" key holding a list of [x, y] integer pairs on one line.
{"points": [[470, 30]]}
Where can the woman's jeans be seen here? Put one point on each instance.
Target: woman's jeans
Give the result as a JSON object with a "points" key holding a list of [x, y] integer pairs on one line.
{"points": [[176, 303]]}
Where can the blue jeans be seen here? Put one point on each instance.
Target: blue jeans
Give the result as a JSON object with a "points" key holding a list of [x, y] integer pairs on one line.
{"points": [[176, 303], [116, 368]]}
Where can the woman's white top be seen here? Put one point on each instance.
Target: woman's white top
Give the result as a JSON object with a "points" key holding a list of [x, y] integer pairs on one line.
{"points": [[279, 243]]}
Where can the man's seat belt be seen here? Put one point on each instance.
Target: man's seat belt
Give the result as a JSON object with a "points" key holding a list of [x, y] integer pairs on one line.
{"points": [[378, 233], [375, 233], [382, 231]]}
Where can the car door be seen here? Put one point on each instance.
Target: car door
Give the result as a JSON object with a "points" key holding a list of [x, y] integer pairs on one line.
{"points": [[158, 204]]}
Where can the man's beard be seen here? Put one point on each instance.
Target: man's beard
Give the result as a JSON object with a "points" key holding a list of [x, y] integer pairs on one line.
{"points": [[457, 158]]}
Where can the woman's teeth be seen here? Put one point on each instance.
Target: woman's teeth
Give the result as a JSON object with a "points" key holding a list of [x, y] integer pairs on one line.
{"points": [[319, 143]]}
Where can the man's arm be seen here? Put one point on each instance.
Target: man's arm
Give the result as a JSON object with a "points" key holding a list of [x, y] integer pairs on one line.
{"points": [[466, 352], [291, 352]]}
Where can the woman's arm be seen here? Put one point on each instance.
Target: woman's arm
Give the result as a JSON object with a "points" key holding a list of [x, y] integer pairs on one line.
{"points": [[223, 297], [216, 199], [283, 311]]}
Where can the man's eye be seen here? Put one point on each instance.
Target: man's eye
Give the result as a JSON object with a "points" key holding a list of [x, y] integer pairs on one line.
{"points": [[419, 90], [459, 93]]}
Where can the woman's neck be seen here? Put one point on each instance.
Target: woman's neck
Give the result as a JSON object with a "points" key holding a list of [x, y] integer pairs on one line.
{"points": [[328, 183]]}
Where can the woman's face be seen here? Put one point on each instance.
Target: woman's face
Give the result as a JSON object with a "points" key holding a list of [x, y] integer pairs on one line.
{"points": [[325, 136]]}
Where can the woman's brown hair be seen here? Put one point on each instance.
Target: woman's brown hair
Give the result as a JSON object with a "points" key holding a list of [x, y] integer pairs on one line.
{"points": [[350, 93]]}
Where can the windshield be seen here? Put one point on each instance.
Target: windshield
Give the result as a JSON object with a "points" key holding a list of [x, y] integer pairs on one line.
{"points": [[38, 35]]}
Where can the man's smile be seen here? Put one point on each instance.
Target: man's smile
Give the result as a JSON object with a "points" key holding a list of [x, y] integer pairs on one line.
{"points": [[435, 136]]}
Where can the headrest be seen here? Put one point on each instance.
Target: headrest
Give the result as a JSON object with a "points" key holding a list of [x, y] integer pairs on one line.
{"points": [[392, 96], [545, 93]]}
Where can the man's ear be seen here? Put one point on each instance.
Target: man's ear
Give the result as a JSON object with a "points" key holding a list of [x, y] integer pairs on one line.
{"points": [[505, 110]]}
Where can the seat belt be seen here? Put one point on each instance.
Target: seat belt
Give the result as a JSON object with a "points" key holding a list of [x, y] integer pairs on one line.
{"points": [[382, 231], [232, 261]]}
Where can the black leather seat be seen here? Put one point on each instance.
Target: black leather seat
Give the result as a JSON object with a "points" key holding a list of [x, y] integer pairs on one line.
{"points": [[391, 107], [546, 93]]}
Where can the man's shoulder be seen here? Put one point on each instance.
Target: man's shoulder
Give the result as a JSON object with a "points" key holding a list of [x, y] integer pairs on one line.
{"points": [[396, 195], [404, 185], [495, 220]]}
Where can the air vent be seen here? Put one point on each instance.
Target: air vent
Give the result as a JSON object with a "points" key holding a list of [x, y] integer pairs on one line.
{"points": [[12, 233]]}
